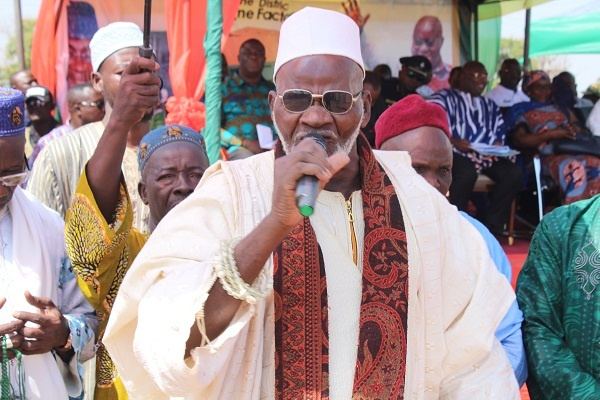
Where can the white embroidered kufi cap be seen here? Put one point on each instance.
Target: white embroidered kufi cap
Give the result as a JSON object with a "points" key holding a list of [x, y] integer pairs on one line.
{"points": [[315, 31], [112, 38]]}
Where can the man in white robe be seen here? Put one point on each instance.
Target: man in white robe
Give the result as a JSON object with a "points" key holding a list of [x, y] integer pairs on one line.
{"points": [[187, 323], [43, 314]]}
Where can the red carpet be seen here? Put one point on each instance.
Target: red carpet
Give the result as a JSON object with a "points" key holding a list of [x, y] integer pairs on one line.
{"points": [[517, 253]]}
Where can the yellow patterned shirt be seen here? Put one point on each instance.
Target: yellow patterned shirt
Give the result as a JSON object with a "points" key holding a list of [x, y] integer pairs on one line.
{"points": [[101, 254]]}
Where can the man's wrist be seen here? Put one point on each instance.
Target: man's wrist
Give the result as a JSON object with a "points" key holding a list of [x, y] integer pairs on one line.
{"points": [[115, 123], [278, 228], [66, 343]]}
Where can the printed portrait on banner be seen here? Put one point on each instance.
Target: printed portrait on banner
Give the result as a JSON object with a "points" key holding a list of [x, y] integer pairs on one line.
{"points": [[82, 25], [395, 29]]}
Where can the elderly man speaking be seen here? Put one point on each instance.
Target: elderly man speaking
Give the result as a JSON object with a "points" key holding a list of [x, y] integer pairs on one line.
{"points": [[384, 292]]}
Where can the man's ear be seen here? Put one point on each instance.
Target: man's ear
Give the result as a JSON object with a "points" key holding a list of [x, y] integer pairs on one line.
{"points": [[366, 100], [142, 192], [272, 99], [97, 82]]}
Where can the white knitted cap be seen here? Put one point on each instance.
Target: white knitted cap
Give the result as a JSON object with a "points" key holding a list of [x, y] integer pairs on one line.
{"points": [[315, 31], [112, 38]]}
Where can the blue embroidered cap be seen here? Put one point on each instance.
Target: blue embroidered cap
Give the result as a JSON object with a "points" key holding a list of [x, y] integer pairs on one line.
{"points": [[12, 107], [165, 135], [81, 19]]}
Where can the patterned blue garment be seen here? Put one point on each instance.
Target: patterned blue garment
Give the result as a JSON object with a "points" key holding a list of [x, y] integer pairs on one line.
{"points": [[82, 319], [478, 120], [244, 106]]}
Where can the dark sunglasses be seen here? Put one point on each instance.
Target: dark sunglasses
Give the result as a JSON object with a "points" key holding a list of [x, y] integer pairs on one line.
{"points": [[34, 102], [416, 76], [98, 104], [335, 101]]}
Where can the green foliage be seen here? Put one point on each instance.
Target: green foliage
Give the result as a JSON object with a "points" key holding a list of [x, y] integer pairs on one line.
{"points": [[510, 48], [11, 61], [595, 87], [514, 48]]}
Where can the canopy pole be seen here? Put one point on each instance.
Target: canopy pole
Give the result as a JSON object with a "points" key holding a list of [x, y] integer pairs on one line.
{"points": [[476, 28], [526, 60], [19, 27], [212, 51]]}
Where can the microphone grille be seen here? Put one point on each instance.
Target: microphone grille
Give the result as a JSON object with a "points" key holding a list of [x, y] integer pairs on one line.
{"points": [[317, 137]]}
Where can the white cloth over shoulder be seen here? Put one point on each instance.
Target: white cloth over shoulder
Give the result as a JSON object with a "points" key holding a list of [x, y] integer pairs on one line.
{"points": [[593, 121], [456, 297], [505, 97], [32, 252]]}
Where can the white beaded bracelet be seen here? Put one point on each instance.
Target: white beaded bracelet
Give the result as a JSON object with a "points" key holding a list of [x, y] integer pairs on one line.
{"points": [[226, 268]]}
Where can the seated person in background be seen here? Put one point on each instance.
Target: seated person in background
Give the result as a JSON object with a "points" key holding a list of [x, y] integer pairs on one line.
{"points": [[389, 85], [171, 160], [421, 129], [415, 71], [538, 123], [414, 74], [582, 106], [245, 103], [46, 325], [558, 292], [507, 93], [454, 77], [40, 105], [384, 71], [475, 119], [86, 105], [372, 84]]}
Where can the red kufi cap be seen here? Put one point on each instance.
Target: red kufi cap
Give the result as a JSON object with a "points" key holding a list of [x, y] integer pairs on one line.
{"points": [[407, 114]]}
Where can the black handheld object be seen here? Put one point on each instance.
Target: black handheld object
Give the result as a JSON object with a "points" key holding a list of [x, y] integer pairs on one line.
{"points": [[308, 186], [146, 50]]}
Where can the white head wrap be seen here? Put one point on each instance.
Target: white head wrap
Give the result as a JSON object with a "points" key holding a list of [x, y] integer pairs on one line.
{"points": [[315, 31], [112, 38]]}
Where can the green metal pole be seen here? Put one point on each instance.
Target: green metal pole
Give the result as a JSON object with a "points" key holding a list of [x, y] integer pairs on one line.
{"points": [[212, 51]]}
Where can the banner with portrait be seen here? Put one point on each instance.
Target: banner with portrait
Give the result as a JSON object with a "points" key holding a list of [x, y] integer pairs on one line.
{"points": [[395, 29], [74, 23]]}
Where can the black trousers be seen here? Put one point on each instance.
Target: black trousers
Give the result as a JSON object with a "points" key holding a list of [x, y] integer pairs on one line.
{"points": [[504, 173]]}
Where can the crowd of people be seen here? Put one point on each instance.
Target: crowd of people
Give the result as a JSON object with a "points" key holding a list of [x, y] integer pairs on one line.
{"points": [[206, 282]]}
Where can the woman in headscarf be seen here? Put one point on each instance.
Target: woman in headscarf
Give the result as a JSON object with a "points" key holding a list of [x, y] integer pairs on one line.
{"points": [[537, 124]]}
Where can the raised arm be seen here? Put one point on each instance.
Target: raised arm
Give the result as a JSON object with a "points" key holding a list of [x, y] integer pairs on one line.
{"points": [[138, 91]]}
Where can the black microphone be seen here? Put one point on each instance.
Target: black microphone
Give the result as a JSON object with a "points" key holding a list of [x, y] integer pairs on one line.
{"points": [[308, 185]]}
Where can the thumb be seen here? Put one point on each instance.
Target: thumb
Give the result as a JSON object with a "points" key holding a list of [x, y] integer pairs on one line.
{"points": [[338, 161], [38, 302]]}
